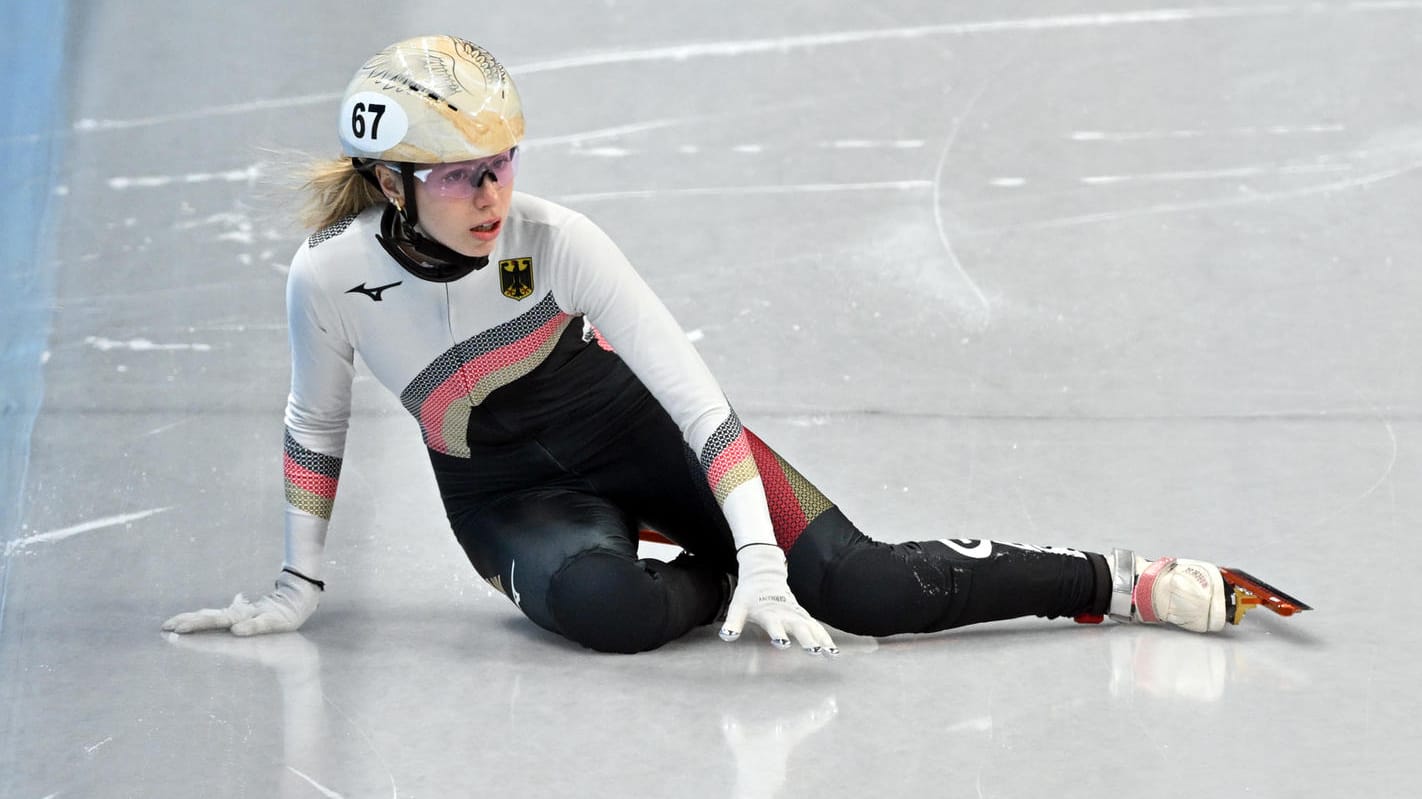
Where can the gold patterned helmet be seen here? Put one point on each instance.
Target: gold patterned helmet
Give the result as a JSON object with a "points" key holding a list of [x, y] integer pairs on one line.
{"points": [[430, 100]]}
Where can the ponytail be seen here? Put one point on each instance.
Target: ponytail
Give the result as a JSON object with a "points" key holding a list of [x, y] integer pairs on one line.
{"points": [[334, 191]]}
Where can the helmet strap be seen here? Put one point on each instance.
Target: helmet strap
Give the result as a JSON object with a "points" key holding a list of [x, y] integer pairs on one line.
{"points": [[408, 212], [366, 169]]}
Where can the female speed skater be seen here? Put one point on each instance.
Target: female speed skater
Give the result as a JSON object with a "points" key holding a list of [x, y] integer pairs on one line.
{"points": [[564, 410]]}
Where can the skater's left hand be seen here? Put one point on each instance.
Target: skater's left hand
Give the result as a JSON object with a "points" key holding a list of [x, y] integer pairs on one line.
{"points": [[284, 609], [763, 596]]}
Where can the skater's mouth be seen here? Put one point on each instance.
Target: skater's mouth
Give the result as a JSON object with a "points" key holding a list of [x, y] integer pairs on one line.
{"points": [[487, 231]]}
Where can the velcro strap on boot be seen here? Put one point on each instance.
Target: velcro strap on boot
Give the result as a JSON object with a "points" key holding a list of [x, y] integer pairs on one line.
{"points": [[1145, 585]]}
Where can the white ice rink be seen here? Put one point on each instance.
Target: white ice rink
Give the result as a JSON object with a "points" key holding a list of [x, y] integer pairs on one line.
{"points": [[1089, 273]]}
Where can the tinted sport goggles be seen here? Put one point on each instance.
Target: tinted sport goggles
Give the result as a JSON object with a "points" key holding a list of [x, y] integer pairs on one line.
{"points": [[459, 180]]}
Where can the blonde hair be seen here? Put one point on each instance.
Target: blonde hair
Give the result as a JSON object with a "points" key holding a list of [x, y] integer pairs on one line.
{"points": [[334, 191]]}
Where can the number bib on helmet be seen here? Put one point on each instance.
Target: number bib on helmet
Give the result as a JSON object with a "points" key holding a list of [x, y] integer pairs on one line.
{"points": [[372, 123]]}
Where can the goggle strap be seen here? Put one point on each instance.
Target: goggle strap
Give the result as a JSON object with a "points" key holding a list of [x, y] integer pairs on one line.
{"points": [[366, 169], [409, 214]]}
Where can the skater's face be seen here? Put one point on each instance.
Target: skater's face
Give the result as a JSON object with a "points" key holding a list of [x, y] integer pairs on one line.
{"points": [[461, 205]]}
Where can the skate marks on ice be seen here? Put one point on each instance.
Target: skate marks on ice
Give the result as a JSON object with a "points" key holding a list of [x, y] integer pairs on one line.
{"points": [[248, 175], [811, 42], [1392, 155], [1375, 412], [313, 783], [1202, 133], [977, 306], [979, 315], [1212, 203], [743, 47], [89, 125], [12, 547], [1318, 164], [741, 191], [890, 36], [143, 345]]}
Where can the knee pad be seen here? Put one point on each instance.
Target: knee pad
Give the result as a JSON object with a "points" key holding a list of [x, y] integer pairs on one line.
{"points": [[608, 603], [520, 543]]}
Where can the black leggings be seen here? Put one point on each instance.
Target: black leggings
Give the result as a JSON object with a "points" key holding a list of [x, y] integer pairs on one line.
{"points": [[555, 528]]}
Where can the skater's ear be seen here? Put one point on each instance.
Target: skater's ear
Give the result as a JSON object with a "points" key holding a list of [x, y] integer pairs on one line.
{"points": [[390, 184]]}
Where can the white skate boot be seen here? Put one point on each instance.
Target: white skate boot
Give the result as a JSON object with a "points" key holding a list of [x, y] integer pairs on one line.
{"points": [[1187, 593]]}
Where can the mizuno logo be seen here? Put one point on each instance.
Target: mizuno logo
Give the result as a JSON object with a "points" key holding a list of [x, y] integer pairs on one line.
{"points": [[374, 293]]}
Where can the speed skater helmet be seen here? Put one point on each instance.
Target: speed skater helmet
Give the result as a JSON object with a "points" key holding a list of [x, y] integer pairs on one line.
{"points": [[430, 100], [427, 100]]}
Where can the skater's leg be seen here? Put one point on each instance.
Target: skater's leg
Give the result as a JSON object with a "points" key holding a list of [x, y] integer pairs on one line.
{"points": [[568, 560], [869, 587]]}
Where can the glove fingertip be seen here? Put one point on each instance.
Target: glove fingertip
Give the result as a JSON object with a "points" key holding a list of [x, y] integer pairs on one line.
{"points": [[734, 623], [179, 624]]}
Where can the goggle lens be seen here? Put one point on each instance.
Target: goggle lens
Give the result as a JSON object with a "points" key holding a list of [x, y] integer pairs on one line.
{"points": [[460, 180]]}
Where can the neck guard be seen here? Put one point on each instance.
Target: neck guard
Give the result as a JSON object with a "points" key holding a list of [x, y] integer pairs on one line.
{"points": [[423, 257]]}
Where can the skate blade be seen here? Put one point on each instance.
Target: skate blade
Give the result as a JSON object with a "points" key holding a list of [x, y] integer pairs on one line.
{"points": [[1250, 592]]}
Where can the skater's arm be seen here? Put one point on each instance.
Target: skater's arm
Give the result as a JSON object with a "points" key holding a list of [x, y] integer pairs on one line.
{"points": [[317, 415], [640, 329]]}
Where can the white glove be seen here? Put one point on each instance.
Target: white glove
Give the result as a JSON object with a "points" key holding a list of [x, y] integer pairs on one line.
{"points": [[284, 609], [763, 596]]}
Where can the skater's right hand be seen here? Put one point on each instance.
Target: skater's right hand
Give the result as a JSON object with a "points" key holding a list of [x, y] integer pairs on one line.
{"points": [[288, 605], [763, 596]]}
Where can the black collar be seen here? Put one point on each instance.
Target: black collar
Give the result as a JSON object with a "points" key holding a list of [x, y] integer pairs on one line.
{"points": [[423, 257]]}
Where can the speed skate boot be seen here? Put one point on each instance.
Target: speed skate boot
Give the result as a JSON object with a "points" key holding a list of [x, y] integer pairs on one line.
{"points": [[1187, 593]]}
